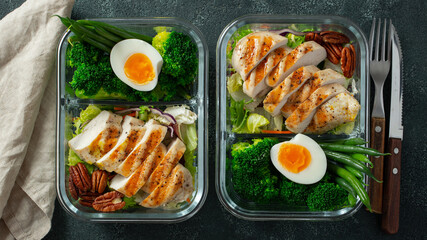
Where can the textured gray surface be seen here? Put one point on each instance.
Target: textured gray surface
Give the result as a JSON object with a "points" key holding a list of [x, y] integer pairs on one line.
{"points": [[213, 221]]}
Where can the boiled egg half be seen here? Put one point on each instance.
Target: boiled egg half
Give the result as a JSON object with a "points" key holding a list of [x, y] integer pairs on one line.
{"points": [[136, 63], [301, 159]]}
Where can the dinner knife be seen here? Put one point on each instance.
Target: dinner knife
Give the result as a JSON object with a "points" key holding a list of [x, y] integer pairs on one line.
{"points": [[391, 197]]}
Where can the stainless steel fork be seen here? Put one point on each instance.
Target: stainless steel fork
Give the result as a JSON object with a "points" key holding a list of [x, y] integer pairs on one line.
{"points": [[379, 70]]}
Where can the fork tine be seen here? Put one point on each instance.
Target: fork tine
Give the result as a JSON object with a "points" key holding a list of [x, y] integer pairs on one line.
{"points": [[384, 39], [390, 31], [377, 41], [371, 40]]}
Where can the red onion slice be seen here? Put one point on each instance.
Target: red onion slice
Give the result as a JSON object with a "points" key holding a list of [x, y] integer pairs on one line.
{"points": [[172, 131], [285, 31], [128, 110], [167, 116]]}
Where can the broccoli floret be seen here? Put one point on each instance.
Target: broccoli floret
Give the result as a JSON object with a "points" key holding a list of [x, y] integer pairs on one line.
{"points": [[179, 56], [252, 171], [293, 194], [327, 197], [79, 54], [94, 78]]}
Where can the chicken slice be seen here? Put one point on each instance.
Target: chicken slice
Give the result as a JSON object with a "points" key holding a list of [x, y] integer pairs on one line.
{"points": [[98, 137], [154, 135], [302, 116], [251, 50], [342, 108], [176, 150], [254, 84], [277, 97], [132, 132], [177, 187], [307, 53], [320, 78], [130, 185]]}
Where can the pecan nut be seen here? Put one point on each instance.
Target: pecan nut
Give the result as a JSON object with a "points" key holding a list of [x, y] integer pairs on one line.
{"points": [[73, 191], [109, 202], [334, 37], [80, 177], [87, 198], [348, 61], [99, 181], [311, 36], [333, 52]]}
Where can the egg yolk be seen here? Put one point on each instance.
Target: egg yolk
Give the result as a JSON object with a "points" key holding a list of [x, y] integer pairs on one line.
{"points": [[139, 69], [293, 157]]}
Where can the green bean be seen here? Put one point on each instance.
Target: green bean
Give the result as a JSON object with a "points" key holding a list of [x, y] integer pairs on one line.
{"points": [[353, 171], [117, 31], [64, 21], [351, 141], [362, 158], [92, 42], [352, 149], [142, 37], [346, 186], [352, 180], [89, 33], [101, 31], [351, 200], [349, 161]]}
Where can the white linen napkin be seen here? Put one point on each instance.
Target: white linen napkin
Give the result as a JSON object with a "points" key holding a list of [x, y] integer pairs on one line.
{"points": [[30, 37]]}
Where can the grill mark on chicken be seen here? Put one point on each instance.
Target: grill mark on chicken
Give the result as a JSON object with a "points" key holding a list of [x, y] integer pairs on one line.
{"points": [[154, 139], [302, 116], [143, 172], [174, 154], [308, 53]]}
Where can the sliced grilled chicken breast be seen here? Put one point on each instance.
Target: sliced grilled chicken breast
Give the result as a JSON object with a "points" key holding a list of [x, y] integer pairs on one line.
{"points": [[130, 185], [178, 186], [98, 137], [254, 84], [298, 121], [176, 150], [154, 135], [342, 108], [132, 132], [277, 97], [320, 78], [307, 53], [251, 50]]}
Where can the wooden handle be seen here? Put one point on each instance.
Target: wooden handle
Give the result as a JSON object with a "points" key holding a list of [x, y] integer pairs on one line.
{"points": [[391, 203], [377, 142]]}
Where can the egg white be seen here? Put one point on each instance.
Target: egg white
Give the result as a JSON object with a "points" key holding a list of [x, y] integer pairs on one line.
{"points": [[314, 171], [126, 48]]}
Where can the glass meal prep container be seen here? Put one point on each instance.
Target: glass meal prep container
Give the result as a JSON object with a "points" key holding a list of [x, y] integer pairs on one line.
{"points": [[237, 205], [69, 106]]}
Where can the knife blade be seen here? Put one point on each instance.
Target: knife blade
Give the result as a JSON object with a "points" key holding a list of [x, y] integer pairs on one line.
{"points": [[391, 197]]}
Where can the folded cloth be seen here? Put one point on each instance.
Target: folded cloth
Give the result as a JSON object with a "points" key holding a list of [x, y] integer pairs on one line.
{"points": [[30, 37]]}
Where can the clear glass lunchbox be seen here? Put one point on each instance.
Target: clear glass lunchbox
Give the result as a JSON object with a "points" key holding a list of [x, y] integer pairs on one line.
{"points": [[69, 107], [237, 205]]}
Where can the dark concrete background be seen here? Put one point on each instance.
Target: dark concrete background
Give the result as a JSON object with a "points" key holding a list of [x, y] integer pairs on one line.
{"points": [[213, 221]]}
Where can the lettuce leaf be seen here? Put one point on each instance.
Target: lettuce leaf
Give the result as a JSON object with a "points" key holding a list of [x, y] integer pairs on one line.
{"points": [[243, 121], [294, 40], [129, 202], [234, 83], [346, 128], [255, 122], [238, 116], [143, 113], [86, 115], [73, 159], [189, 137]]}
